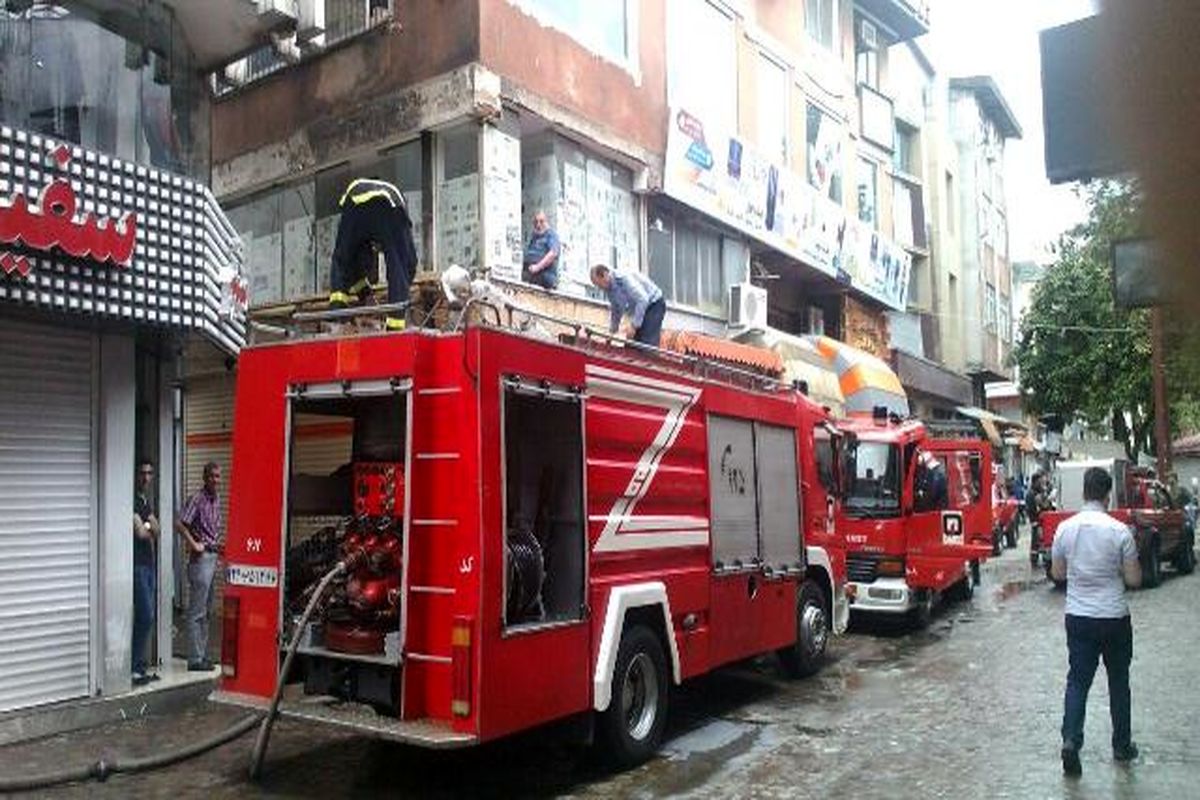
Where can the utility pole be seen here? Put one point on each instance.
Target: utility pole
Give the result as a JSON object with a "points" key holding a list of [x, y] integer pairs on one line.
{"points": [[1162, 427]]}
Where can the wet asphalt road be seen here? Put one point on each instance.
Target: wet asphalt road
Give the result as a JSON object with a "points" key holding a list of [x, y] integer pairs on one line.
{"points": [[968, 708]]}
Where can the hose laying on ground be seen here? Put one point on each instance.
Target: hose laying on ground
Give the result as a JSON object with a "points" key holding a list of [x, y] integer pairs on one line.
{"points": [[264, 732], [101, 768]]}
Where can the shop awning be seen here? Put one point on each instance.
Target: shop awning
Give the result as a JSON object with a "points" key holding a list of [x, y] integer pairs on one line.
{"points": [[745, 355]]}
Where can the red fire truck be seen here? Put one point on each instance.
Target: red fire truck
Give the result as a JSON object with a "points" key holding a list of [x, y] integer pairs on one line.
{"points": [[1160, 527], [916, 519], [540, 530]]}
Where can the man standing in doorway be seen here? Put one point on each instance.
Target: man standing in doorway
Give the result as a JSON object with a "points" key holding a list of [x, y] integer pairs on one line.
{"points": [[541, 254], [1096, 556], [200, 526], [632, 295], [145, 536]]}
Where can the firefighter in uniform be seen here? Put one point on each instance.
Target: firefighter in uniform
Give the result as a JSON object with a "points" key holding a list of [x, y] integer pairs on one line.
{"points": [[373, 217]]}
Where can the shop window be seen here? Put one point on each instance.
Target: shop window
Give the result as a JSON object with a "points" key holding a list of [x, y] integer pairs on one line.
{"points": [[702, 62], [692, 263], [589, 203], [820, 22], [868, 192], [457, 223], [608, 28], [824, 161]]}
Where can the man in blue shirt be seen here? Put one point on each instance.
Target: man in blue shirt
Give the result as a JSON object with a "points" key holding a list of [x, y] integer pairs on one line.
{"points": [[632, 295], [541, 254], [1096, 555]]}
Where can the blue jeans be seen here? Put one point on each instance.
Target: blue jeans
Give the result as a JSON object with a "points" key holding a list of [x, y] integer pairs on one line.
{"points": [[143, 613], [200, 571], [652, 321], [1089, 639]]}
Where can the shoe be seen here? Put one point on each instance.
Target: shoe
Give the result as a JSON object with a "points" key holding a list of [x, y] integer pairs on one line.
{"points": [[152, 677], [1070, 762], [141, 679], [1125, 754], [200, 666]]}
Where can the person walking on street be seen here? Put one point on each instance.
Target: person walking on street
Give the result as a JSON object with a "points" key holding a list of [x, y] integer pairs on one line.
{"points": [[541, 254], [200, 526], [145, 536], [1096, 555], [632, 295]]}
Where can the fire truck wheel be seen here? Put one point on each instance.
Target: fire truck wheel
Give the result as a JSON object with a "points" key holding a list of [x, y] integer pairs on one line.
{"points": [[632, 725], [922, 612], [1151, 565], [1185, 562], [806, 655]]}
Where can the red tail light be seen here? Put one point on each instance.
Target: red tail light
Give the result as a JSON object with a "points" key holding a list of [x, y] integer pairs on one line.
{"points": [[460, 652], [229, 636]]}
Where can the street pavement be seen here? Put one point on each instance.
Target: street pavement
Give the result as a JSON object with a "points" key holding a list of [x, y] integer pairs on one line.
{"points": [[968, 708]]}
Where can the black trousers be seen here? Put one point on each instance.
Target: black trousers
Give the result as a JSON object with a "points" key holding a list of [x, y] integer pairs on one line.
{"points": [[388, 228], [1088, 640], [651, 331]]}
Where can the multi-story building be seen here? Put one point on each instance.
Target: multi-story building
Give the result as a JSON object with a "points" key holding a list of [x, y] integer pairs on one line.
{"points": [[980, 124], [114, 255], [707, 143]]}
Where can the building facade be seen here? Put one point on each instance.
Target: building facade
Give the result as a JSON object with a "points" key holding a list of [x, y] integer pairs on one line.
{"points": [[114, 255], [980, 124]]}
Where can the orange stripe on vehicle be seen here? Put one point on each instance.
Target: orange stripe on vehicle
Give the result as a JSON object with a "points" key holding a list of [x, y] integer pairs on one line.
{"points": [[869, 376]]}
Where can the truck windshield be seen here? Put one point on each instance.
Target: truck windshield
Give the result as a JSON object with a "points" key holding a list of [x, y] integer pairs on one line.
{"points": [[875, 490]]}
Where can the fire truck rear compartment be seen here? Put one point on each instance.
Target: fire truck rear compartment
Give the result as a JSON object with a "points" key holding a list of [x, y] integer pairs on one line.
{"points": [[346, 494], [543, 466]]}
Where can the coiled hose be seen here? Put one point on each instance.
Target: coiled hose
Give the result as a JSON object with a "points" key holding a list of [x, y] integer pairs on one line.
{"points": [[101, 769]]}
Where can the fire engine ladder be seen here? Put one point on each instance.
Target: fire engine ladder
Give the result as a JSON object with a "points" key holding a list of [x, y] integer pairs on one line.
{"points": [[289, 328]]}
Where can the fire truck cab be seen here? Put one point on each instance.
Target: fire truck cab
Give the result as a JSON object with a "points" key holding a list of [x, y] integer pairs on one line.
{"points": [[543, 530], [917, 518]]}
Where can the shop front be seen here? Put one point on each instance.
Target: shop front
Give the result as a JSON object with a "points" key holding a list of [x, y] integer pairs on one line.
{"points": [[110, 261]]}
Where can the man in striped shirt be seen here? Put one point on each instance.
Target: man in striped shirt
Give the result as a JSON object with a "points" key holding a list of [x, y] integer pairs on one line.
{"points": [[200, 526]]}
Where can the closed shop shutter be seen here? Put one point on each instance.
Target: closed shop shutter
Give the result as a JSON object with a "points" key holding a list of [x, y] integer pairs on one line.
{"points": [[46, 514]]}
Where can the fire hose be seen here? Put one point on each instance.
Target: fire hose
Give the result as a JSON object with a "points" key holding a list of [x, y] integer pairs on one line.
{"points": [[102, 768]]}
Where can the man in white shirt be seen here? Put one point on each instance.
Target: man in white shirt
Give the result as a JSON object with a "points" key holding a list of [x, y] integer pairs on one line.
{"points": [[1097, 557]]}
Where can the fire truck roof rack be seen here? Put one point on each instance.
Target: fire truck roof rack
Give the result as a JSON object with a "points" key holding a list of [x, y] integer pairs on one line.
{"points": [[954, 429], [349, 312], [584, 335]]}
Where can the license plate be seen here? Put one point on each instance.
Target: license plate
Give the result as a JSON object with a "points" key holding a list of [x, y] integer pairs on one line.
{"points": [[240, 575]]}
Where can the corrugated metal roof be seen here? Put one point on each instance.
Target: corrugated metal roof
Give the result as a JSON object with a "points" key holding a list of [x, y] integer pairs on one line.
{"points": [[697, 344]]}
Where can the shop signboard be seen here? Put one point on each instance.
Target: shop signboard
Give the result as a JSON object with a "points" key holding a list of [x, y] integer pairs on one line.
{"points": [[726, 178], [82, 232]]}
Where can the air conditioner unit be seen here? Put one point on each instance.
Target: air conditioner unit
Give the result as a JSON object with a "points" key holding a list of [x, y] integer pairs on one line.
{"points": [[868, 35], [747, 307]]}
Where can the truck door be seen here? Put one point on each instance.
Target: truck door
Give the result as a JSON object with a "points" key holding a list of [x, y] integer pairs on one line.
{"points": [[952, 494]]}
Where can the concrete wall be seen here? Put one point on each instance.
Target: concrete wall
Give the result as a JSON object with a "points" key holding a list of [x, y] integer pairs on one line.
{"points": [[430, 39]]}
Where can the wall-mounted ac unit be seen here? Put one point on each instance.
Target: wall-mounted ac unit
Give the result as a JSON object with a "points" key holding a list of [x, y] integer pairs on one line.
{"points": [[747, 307]]}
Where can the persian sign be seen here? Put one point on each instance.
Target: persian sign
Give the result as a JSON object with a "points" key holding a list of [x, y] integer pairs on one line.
{"points": [[726, 178]]}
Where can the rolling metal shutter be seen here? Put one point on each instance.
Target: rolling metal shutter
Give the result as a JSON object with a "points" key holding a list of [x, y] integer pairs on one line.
{"points": [[46, 514]]}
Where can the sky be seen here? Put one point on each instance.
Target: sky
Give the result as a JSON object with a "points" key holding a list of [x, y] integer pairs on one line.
{"points": [[1000, 38]]}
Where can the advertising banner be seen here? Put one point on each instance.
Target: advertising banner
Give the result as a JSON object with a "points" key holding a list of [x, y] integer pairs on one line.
{"points": [[726, 178]]}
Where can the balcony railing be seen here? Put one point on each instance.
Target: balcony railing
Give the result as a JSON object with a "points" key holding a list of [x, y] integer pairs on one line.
{"points": [[907, 19]]}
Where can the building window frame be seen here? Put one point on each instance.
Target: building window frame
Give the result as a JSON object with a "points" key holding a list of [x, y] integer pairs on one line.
{"points": [[681, 64], [821, 24], [868, 191], [586, 33], [778, 152], [676, 230]]}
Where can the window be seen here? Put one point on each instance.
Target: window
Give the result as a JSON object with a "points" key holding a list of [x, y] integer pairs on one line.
{"points": [[989, 309], [905, 157], [824, 161], [772, 109], [874, 469], [1005, 319], [820, 22], [692, 263], [458, 197], [868, 192], [608, 28], [866, 54], [702, 62]]}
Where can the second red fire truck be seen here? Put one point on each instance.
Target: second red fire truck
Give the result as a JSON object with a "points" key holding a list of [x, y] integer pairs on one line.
{"points": [[537, 530]]}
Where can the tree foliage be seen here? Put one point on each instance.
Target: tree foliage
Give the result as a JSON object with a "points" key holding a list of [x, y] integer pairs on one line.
{"points": [[1080, 356]]}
